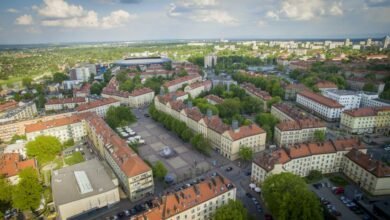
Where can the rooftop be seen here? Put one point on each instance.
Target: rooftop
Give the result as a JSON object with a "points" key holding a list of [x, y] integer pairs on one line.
{"points": [[376, 167], [141, 61], [256, 91], [214, 98], [292, 111], [66, 186], [321, 99], [8, 105], [65, 101], [39, 126], [96, 103], [181, 80], [11, 164], [325, 85], [300, 124], [343, 92], [141, 91]]}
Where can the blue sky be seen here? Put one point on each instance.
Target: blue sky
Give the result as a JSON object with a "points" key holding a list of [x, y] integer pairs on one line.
{"points": [[43, 21]]}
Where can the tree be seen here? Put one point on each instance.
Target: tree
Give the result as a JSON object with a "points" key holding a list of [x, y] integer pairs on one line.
{"points": [[107, 76], [251, 105], [229, 108], [26, 82], [314, 175], [201, 144], [246, 153], [119, 116], [122, 76], [59, 77], [159, 170], [283, 194], [233, 210], [5, 195], [319, 136], [17, 137], [27, 194], [369, 87], [44, 148], [273, 101], [128, 85], [96, 88], [186, 134]]}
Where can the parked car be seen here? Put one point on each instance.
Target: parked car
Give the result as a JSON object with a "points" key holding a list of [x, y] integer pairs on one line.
{"points": [[249, 195], [229, 169], [338, 190], [317, 185]]}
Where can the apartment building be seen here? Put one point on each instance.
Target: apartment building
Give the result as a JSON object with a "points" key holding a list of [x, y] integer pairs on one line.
{"points": [[141, 97], [291, 91], [83, 187], [177, 83], [83, 91], [12, 110], [357, 83], [198, 202], [348, 99], [366, 120], [11, 164], [300, 159], [195, 89], [65, 103], [135, 176], [371, 175], [369, 99], [213, 99], [324, 107], [325, 85], [226, 139], [66, 128], [298, 131], [253, 91], [100, 106], [288, 112]]}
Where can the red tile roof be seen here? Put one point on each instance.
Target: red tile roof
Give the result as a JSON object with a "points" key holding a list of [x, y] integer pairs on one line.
{"points": [[96, 103], [366, 111], [376, 167], [216, 124], [300, 124], [321, 99], [84, 89], [65, 101], [326, 85], [181, 80], [246, 131], [11, 164], [256, 91], [171, 96], [141, 91], [8, 105], [267, 161], [194, 113], [214, 98], [40, 126], [292, 111], [206, 84]]}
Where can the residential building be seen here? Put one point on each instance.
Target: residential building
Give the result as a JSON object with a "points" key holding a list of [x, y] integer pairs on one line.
{"points": [[253, 91], [82, 188], [141, 61], [12, 110], [64, 129], [177, 83], [141, 97], [210, 61], [348, 99], [64, 104], [291, 90], [18, 147], [83, 72], [11, 164], [292, 132], [371, 175], [288, 112], [224, 80], [100, 106], [82, 91], [357, 83], [369, 99], [320, 105], [195, 89], [300, 159], [197, 202], [213, 99], [325, 85], [226, 139], [366, 120]]}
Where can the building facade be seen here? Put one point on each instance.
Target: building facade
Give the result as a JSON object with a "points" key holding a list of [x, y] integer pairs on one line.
{"points": [[348, 99], [62, 104], [100, 106], [366, 120], [173, 85]]}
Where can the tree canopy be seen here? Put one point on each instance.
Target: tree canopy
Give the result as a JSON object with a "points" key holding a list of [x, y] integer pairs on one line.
{"points": [[119, 116], [26, 195], [233, 210], [159, 170], [96, 88], [246, 153], [267, 121], [319, 136], [59, 77], [44, 148], [284, 195]]}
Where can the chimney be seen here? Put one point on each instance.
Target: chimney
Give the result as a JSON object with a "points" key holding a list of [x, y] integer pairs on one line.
{"points": [[209, 113], [235, 125], [189, 104]]}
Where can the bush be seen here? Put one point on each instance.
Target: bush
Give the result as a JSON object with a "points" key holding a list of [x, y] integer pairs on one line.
{"points": [[338, 181], [314, 176]]}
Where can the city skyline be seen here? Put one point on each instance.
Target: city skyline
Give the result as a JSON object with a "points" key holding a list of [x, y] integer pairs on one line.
{"points": [[53, 21]]}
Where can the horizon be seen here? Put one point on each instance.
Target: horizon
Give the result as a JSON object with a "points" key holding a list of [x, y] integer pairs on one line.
{"points": [[73, 21]]}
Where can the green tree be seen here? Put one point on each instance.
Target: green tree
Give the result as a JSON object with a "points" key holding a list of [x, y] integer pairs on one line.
{"points": [[44, 148], [59, 77], [96, 88], [283, 194], [26, 82], [233, 210], [27, 194], [159, 170], [186, 134], [369, 87], [201, 144], [128, 85], [319, 136], [229, 108], [17, 137], [246, 153], [5, 195], [119, 116], [267, 121], [273, 101], [314, 175], [122, 76], [107, 76], [251, 105]]}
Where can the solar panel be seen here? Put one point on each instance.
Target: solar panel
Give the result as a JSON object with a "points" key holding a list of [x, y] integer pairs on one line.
{"points": [[83, 182]]}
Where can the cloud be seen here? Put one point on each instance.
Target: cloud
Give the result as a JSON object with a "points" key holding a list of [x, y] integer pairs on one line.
{"points": [[117, 19], [201, 11], [24, 20], [377, 3], [12, 10], [59, 13], [130, 1], [304, 10], [261, 23], [59, 9]]}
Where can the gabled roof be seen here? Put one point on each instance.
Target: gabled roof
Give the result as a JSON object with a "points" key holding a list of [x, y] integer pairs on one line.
{"points": [[321, 99], [96, 103], [11, 164], [376, 167], [245, 131]]}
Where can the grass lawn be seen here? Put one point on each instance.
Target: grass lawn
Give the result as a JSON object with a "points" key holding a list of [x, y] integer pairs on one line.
{"points": [[76, 157]]}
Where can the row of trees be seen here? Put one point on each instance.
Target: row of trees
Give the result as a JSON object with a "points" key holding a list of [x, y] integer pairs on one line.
{"points": [[267, 121], [119, 116], [25, 196], [270, 84], [197, 141]]}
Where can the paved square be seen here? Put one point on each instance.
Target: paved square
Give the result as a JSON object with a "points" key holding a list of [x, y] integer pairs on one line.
{"points": [[144, 134], [157, 146], [180, 150], [152, 158], [176, 162], [150, 126]]}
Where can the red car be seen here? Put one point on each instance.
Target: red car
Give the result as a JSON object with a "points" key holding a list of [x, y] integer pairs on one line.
{"points": [[338, 190], [268, 217]]}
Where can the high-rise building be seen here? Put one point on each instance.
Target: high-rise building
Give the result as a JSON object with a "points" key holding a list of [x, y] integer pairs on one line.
{"points": [[369, 42], [210, 61], [347, 42], [386, 42]]}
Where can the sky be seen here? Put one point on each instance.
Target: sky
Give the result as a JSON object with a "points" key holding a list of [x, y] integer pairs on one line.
{"points": [[56, 21]]}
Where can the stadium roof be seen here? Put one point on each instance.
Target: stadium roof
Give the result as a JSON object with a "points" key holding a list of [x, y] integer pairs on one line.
{"points": [[142, 61]]}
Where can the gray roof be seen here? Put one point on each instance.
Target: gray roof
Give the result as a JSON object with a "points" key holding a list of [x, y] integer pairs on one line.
{"points": [[66, 189], [343, 92], [142, 61]]}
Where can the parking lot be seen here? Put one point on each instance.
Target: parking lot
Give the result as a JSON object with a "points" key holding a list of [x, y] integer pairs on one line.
{"points": [[185, 164]]}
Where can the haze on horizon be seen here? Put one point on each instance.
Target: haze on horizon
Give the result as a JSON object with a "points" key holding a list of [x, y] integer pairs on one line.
{"points": [[51, 21]]}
